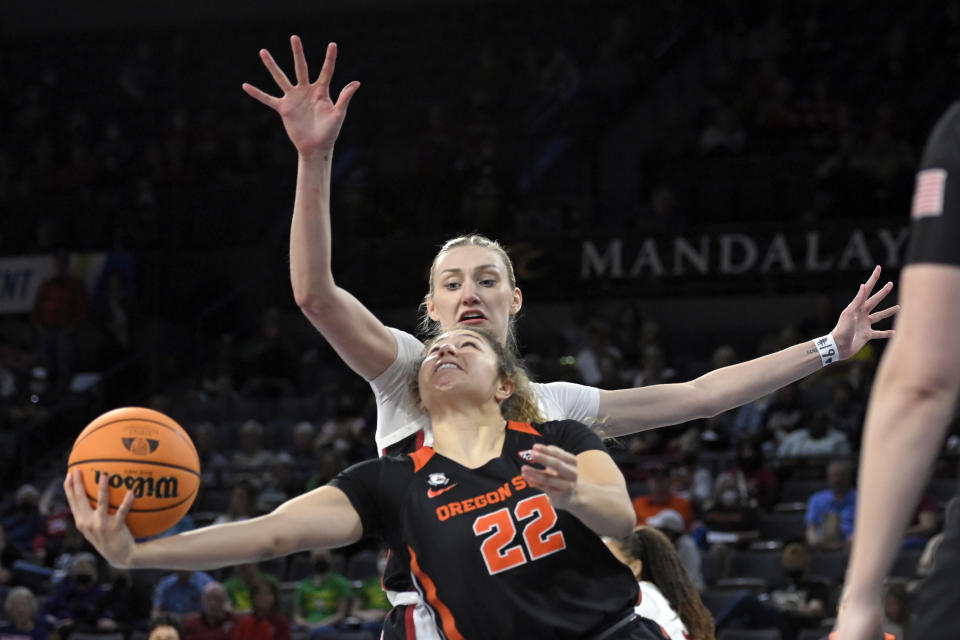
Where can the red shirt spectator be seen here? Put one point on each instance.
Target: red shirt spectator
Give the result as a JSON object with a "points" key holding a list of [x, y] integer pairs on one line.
{"points": [[214, 622], [265, 623], [660, 498], [61, 300]]}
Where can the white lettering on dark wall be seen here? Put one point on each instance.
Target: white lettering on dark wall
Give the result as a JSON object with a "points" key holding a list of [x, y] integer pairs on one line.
{"points": [[733, 254]]}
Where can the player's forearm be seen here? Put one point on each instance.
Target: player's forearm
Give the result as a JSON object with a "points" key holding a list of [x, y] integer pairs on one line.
{"points": [[738, 384], [627, 411], [310, 251], [214, 547], [904, 430], [604, 508]]}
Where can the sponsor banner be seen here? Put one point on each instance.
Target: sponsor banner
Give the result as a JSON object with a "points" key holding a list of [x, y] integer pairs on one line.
{"points": [[21, 276]]}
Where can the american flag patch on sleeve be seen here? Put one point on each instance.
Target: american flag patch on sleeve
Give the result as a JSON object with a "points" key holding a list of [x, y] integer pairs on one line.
{"points": [[928, 194]]}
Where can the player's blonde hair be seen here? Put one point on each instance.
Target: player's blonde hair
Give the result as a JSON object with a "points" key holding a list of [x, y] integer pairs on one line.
{"points": [[431, 328], [522, 404]]}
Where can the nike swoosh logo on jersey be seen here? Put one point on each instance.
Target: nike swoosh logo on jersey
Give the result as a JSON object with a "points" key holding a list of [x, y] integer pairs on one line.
{"points": [[433, 493]]}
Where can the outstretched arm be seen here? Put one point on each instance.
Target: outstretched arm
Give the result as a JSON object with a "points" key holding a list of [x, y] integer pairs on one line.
{"points": [[910, 407], [312, 121], [627, 411], [323, 517]]}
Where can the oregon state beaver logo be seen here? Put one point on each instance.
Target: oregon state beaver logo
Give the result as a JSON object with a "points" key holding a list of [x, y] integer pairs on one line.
{"points": [[140, 446]]}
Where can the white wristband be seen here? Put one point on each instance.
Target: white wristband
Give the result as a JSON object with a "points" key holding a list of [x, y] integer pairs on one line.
{"points": [[827, 349]]}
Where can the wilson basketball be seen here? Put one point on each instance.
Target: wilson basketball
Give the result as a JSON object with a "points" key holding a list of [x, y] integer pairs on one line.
{"points": [[143, 451]]}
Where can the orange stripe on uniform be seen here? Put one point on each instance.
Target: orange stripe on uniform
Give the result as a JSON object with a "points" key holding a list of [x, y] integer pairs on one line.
{"points": [[430, 592], [523, 427], [421, 457]]}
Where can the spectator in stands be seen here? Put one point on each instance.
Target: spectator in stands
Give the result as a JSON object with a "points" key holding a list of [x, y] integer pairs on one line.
{"points": [[80, 602], [830, 512], [752, 472], [896, 611], [817, 439], [221, 378], [797, 603], [370, 604], [165, 628], [923, 525], [661, 497], [8, 555], [213, 464], [241, 505], [597, 345], [729, 508], [322, 600], [929, 555], [60, 304], [215, 621], [846, 412], [23, 521], [130, 600], [655, 369], [252, 462], [178, 594], [329, 463], [264, 622], [267, 360], [689, 479], [785, 413], [282, 485], [670, 523], [22, 622], [667, 596], [303, 437], [239, 586], [343, 429]]}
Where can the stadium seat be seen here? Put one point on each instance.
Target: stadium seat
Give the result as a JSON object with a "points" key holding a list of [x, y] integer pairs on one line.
{"points": [[829, 564], [784, 525], [33, 576], [800, 490], [905, 564], [756, 564], [716, 599]]}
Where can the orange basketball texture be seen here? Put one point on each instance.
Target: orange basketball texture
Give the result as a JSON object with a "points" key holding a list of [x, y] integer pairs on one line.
{"points": [[143, 451]]}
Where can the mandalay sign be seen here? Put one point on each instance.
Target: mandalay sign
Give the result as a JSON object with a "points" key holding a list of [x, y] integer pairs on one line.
{"points": [[745, 254]]}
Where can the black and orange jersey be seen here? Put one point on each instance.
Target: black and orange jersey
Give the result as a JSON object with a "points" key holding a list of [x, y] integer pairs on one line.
{"points": [[935, 213], [488, 553]]}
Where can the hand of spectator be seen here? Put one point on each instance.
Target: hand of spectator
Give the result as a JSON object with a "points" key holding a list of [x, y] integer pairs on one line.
{"points": [[558, 478], [311, 118], [108, 533], [855, 326]]}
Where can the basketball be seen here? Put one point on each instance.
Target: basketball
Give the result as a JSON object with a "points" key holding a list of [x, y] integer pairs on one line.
{"points": [[143, 451]]}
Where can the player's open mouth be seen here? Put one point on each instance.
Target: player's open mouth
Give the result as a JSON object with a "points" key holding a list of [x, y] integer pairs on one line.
{"points": [[472, 317]]}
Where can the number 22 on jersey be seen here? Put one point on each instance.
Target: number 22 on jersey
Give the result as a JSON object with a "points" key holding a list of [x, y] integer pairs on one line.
{"points": [[537, 517]]}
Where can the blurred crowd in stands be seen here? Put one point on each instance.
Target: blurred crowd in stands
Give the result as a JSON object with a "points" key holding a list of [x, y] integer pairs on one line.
{"points": [[144, 143]]}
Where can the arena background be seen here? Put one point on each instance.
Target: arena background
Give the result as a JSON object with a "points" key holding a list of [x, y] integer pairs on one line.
{"points": [[726, 173]]}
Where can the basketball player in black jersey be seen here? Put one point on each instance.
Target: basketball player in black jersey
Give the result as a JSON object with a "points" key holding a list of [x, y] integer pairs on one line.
{"points": [[499, 521], [912, 402]]}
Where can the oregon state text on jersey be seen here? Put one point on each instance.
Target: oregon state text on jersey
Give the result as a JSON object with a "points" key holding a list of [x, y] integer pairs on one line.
{"points": [[488, 553]]}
